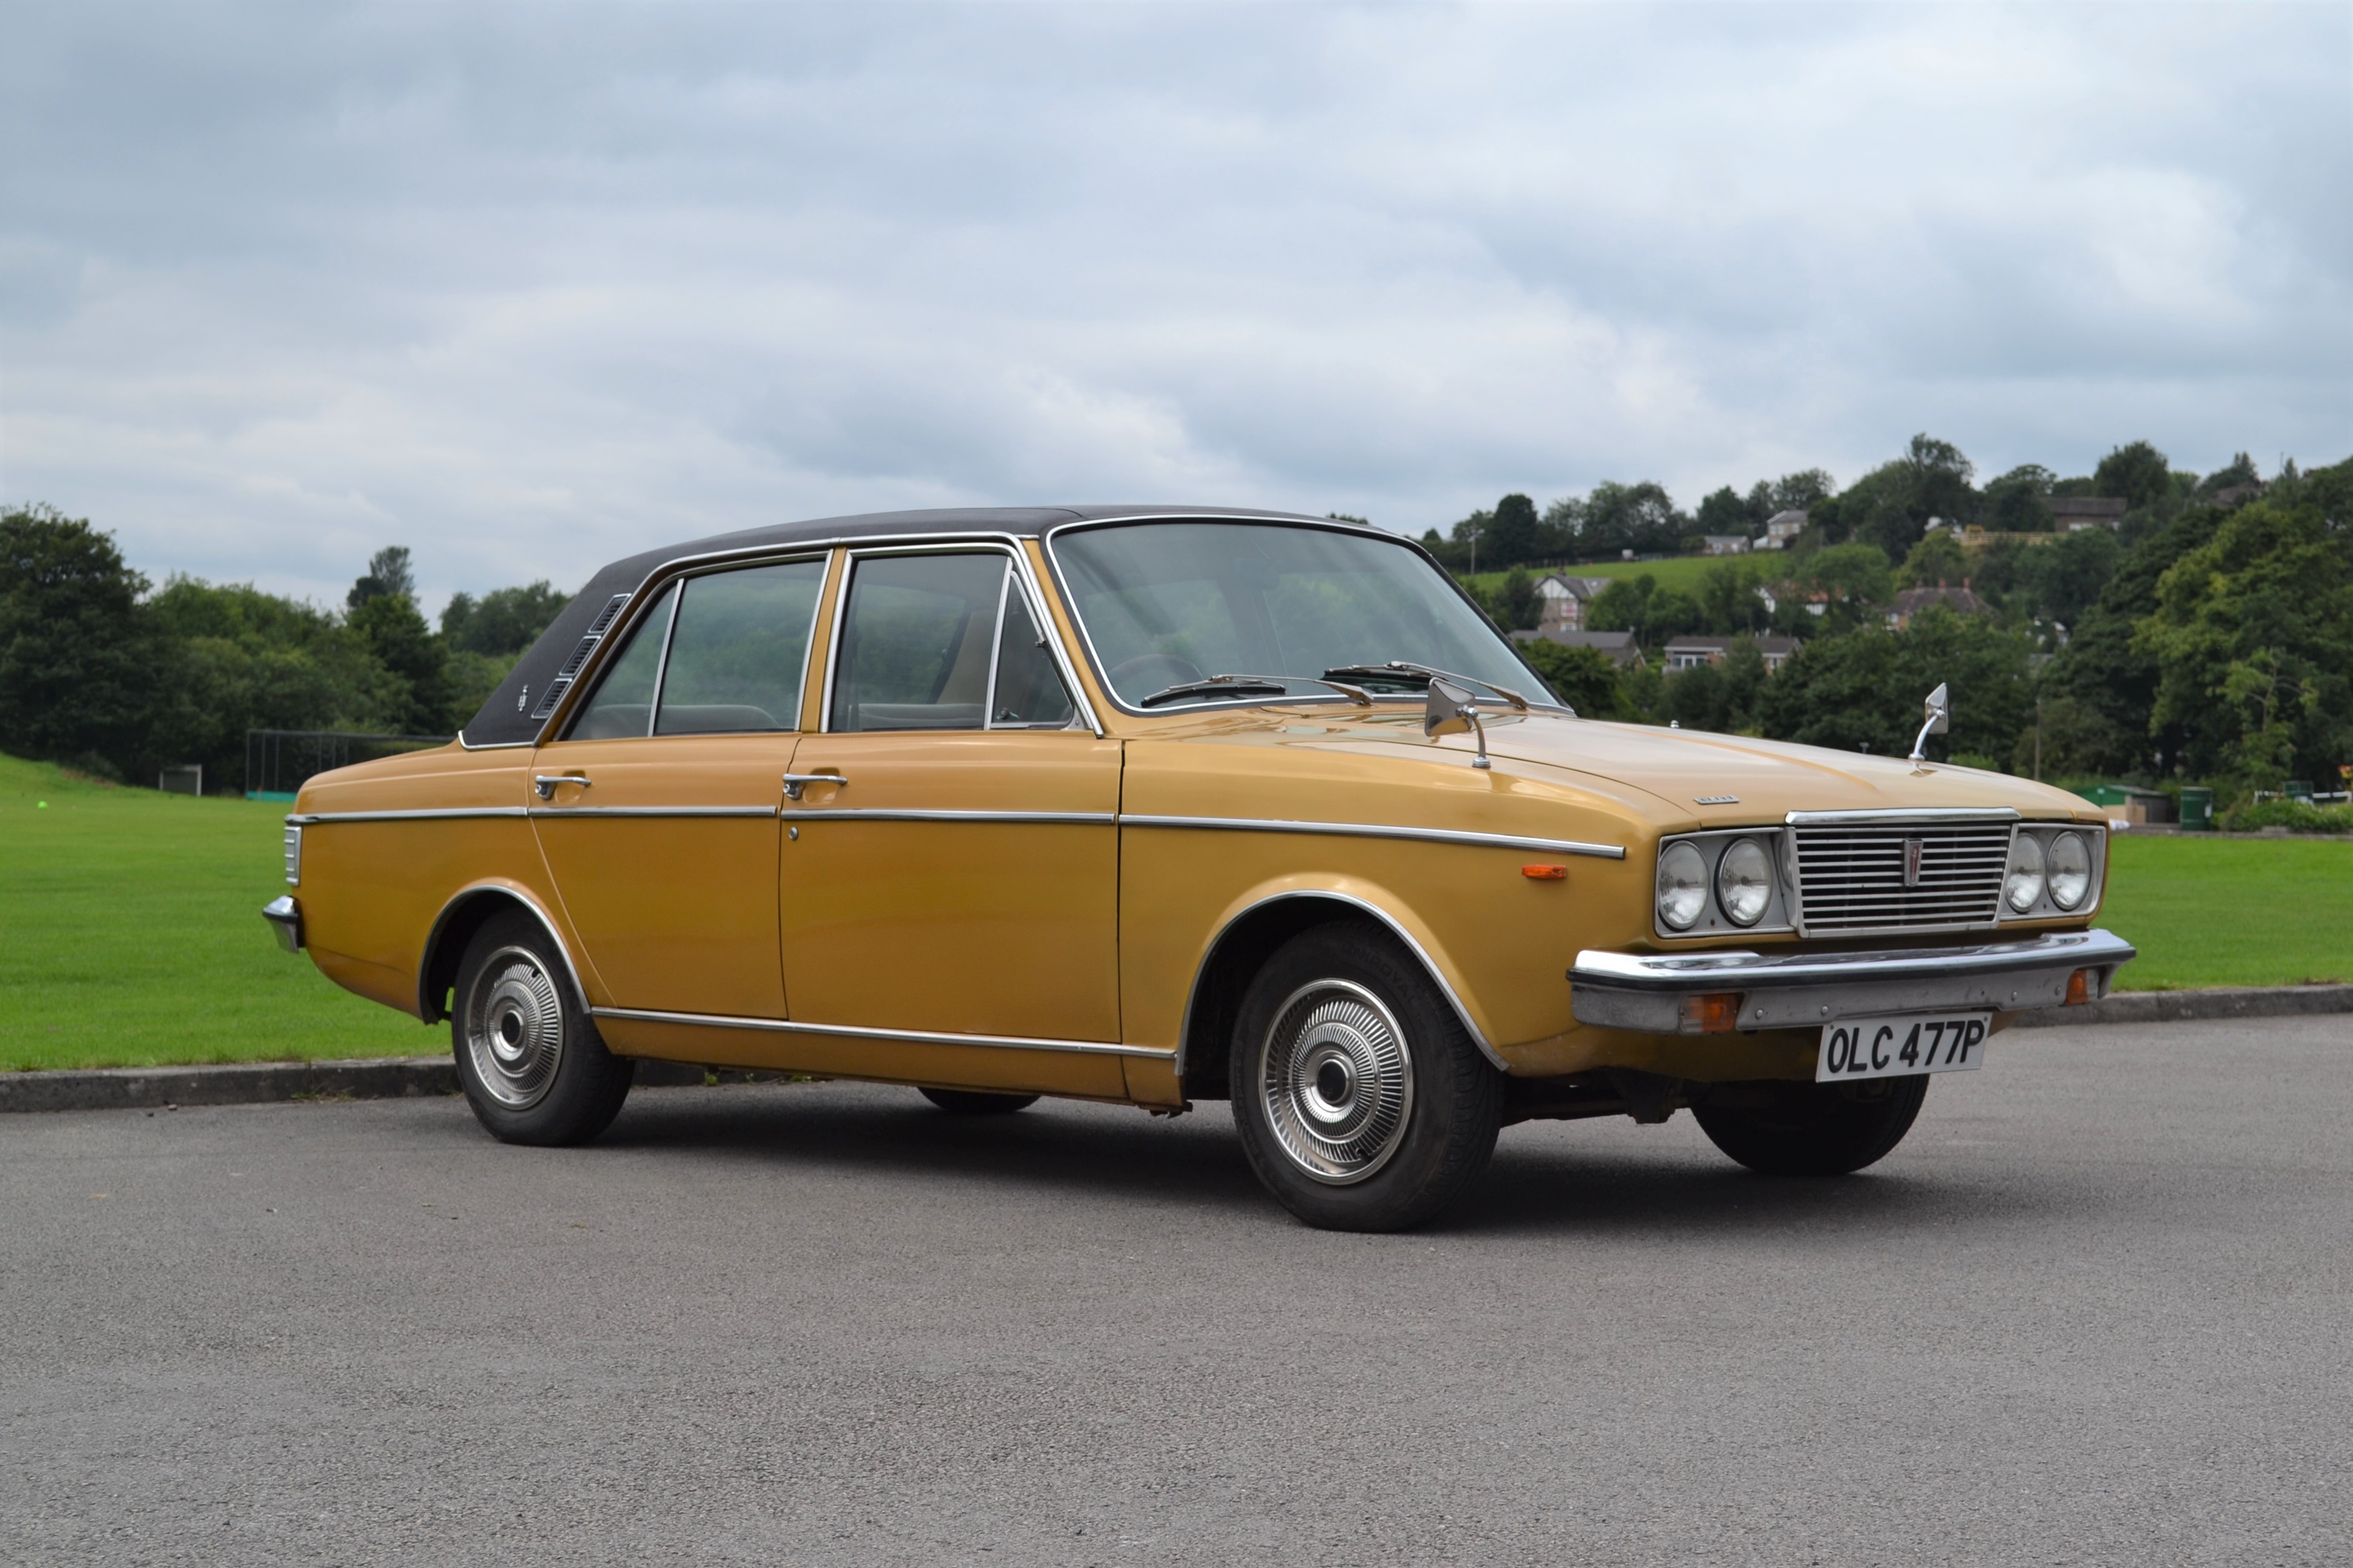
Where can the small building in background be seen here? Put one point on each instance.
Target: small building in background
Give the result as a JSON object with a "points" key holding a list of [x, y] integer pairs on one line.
{"points": [[1781, 530], [1562, 601], [1620, 647], [1687, 653], [2073, 514]]}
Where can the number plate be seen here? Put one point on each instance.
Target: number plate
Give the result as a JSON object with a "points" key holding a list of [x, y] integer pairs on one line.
{"points": [[1894, 1047]]}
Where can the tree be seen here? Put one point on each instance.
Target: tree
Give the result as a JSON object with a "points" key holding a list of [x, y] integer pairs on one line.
{"points": [[1722, 512], [2019, 502], [1584, 678], [1853, 581], [2253, 636], [1517, 607], [399, 639], [1512, 533], [388, 576], [1937, 561], [1803, 489], [2064, 738], [1720, 698], [2135, 473], [1728, 601], [2239, 471], [1891, 505], [77, 650], [1640, 517], [1862, 692], [503, 621]]}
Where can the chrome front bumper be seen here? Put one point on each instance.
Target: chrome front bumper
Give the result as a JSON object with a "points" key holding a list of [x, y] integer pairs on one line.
{"points": [[1687, 992], [285, 918]]}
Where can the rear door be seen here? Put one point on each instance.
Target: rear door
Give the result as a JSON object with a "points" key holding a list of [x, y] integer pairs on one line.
{"points": [[657, 812]]}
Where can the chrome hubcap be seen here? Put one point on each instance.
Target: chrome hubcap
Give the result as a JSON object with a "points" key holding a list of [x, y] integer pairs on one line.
{"points": [[1336, 1081], [514, 1029]]}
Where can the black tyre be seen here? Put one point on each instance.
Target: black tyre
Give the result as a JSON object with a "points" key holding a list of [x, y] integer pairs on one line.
{"points": [[530, 1059], [974, 1102], [1362, 1101], [1812, 1129]]}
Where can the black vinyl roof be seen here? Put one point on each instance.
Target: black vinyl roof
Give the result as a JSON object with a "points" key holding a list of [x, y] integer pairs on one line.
{"points": [[518, 710]]}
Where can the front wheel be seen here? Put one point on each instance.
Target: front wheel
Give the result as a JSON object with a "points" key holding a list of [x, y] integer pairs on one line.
{"points": [[530, 1059], [1812, 1129], [1362, 1101]]}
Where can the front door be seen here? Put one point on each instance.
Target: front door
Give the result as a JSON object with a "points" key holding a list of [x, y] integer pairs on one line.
{"points": [[962, 876], [657, 812]]}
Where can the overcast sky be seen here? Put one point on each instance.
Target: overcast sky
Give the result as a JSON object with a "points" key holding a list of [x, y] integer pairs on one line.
{"points": [[528, 287]]}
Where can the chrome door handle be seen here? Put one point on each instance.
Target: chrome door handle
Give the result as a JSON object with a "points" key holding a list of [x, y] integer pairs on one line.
{"points": [[796, 783], [545, 783]]}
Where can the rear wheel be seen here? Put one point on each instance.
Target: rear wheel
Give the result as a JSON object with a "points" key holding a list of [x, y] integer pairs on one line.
{"points": [[1812, 1129], [1362, 1101], [975, 1102], [530, 1059]]}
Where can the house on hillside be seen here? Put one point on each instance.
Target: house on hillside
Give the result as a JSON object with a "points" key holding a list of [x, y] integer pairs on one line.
{"points": [[1912, 601], [2075, 513], [1687, 653], [1620, 647], [1726, 543], [1562, 601], [1781, 530]]}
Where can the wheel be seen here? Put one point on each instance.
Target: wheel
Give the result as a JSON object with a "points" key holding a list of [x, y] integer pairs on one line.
{"points": [[1812, 1129], [1362, 1101], [974, 1102], [530, 1061]]}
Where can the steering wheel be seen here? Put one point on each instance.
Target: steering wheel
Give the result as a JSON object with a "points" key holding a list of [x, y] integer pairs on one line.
{"points": [[1177, 670]]}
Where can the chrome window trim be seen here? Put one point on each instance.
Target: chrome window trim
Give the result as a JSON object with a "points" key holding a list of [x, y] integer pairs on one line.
{"points": [[1011, 547], [866, 1032], [893, 814], [465, 745], [1381, 830], [432, 814], [1193, 994], [1047, 538], [428, 1008], [695, 811]]}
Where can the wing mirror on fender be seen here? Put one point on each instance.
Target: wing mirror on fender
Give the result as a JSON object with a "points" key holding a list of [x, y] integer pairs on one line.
{"points": [[1452, 711], [1939, 709]]}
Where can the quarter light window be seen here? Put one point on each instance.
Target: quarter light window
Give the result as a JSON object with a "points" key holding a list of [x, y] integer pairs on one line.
{"points": [[624, 702]]}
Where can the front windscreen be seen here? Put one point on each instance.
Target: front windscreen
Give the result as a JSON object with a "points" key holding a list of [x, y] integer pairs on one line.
{"points": [[1171, 604]]}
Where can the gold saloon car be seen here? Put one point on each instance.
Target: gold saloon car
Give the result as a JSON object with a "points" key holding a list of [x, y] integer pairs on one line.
{"points": [[1155, 805]]}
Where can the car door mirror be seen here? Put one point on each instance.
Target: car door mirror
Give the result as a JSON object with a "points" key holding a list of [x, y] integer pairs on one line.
{"points": [[1453, 710]]}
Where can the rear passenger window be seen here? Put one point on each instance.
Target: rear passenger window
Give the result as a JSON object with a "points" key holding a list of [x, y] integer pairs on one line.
{"points": [[740, 652], [943, 642]]}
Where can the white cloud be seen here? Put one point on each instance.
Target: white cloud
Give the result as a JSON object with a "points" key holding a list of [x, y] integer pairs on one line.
{"points": [[529, 288]]}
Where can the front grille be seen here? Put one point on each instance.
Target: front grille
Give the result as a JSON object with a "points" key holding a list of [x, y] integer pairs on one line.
{"points": [[1851, 878]]}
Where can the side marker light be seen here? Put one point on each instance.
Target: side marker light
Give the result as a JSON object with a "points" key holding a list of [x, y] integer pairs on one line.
{"points": [[1714, 1014], [1544, 873], [2079, 988]]}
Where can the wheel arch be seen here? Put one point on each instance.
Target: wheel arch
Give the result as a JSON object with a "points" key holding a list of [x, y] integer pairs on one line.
{"points": [[1261, 923], [467, 912]]}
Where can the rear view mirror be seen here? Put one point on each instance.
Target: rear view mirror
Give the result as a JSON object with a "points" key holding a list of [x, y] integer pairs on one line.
{"points": [[1940, 710]]}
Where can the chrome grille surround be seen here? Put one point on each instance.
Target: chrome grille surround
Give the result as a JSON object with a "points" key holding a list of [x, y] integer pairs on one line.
{"points": [[1850, 870]]}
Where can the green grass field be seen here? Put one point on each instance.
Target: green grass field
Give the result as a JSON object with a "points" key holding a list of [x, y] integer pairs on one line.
{"points": [[131, 935], [131, 932]]}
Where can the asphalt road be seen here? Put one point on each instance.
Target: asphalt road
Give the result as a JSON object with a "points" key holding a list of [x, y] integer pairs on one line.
{"points": [[2094, 1310]]}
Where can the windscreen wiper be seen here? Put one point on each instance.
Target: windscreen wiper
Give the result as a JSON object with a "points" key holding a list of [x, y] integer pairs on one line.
{"points": [[1397, 666], [1246, 685]]}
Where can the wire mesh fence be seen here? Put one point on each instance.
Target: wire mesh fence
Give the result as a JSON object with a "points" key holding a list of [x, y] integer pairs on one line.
{"points": [[279, 761]]}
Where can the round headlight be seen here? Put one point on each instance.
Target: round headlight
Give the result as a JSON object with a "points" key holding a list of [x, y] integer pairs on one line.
{"points": [[1744, 882], [2071, 870], [2022, 885], [1683, 887]]}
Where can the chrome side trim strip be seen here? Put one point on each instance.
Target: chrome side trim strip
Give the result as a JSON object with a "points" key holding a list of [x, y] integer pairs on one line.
{"points": [[889, 814], [909, 1037], [560, 811], [448, 814], [1378, 830], [1890, 815]]}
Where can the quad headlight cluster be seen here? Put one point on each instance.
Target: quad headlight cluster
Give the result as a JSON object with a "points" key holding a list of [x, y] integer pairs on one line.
{"points": [[2047, 871], [1718, 880]]}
